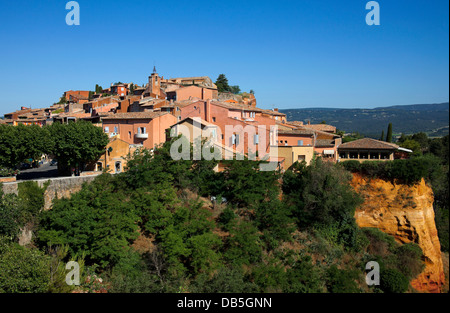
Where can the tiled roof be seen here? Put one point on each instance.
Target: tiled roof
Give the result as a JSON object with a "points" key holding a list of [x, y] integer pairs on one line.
{"points": [[368, 143], [321, 127], [295, 123], [134, 115], [324, 143], [296, 132]]}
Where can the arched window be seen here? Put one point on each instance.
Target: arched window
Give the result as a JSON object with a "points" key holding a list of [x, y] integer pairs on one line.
{"points": [[118, 167]]}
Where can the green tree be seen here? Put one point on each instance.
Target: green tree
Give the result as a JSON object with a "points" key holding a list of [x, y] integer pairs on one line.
{"points": [[77, 143], [98, 89], [222, 83], [412, 145], [23, 270], [235, 89], [389, 133], [10, 208], [62, 100], [320, 195], [423, 141], [243, 246], [244, 185], [99, 221], [382, 135]]}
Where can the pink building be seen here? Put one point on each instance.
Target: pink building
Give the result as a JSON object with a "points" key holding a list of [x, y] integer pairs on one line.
{"points": [[146, 128]]}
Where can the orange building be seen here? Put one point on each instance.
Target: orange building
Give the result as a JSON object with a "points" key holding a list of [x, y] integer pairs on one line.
{"points": [[191, 92], [75, 93], [144, 128]]}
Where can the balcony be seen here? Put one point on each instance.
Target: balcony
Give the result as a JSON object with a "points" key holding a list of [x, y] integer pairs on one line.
{"points": [[142, 136]]}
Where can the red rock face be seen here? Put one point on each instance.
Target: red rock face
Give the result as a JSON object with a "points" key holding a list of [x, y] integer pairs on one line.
{"points": [[406, 213]]}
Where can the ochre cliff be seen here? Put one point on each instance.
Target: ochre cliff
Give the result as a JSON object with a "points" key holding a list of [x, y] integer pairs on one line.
{"points": [[406, 213]]}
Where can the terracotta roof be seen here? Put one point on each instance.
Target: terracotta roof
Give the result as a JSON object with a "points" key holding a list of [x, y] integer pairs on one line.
{"points": [[76, 115], [295, 123], [296, 132], [134, 115], [321, 127], [368, 143], [197, 120], [324, 143]]}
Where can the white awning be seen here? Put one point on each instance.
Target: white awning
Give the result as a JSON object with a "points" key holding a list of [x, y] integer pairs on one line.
{"points": [[328, 151], [404, 149]]}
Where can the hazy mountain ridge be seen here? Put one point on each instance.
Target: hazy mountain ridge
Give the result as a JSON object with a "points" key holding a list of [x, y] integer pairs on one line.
{"points": [[430, 118]]}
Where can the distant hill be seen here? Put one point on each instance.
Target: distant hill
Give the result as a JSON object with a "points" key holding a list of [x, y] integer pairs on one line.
{"points": [[432, 119]]}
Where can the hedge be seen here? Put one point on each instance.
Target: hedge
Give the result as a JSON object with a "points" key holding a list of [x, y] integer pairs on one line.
{"points": [[408, 171]]}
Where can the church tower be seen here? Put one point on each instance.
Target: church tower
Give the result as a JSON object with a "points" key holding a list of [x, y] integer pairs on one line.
{"points": [[154, 83]]}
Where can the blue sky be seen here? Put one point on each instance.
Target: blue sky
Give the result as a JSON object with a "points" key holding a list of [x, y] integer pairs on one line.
{"points": [[293, 54]]}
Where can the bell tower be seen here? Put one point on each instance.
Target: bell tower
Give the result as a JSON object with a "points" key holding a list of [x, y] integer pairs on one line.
{"points": [[154, 83]]}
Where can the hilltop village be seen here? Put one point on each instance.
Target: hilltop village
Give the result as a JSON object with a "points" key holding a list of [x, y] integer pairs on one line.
{"points": [[136, 116]]}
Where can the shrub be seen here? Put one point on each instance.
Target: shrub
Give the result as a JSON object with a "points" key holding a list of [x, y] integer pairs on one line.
{"points": [[341, 281], [393, 281], [22, 269]]}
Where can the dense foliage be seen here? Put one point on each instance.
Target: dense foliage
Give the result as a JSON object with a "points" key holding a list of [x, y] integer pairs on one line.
{"points": [[179, 226], [73, 144]]}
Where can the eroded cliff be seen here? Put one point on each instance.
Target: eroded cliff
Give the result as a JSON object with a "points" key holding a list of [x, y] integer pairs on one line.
{"points": [[406, 213]]}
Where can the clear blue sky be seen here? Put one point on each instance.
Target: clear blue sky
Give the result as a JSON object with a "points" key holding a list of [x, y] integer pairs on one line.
{"points": [[293, 54]]}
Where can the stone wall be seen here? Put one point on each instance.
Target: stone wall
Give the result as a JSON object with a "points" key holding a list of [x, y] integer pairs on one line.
{"points": [[61, 187]]}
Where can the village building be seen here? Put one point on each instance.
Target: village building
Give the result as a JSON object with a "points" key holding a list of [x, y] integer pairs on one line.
{"points": [[144, 128], [114, 160], [75, 94], [119, 89], [368, 149]]}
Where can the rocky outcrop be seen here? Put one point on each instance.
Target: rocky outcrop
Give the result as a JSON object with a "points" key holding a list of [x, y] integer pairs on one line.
{"points": [[406, 213]]}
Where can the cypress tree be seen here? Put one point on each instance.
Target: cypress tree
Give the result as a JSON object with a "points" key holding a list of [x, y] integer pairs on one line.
{"points": [[389, 133], [382, 135]]}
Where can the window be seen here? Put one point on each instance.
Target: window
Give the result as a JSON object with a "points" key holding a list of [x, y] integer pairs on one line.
{"points": [[374, 156], [178, 109], [301, 158], [106, 129], [118, 167], [142, 130], [129, 135], [235, 139], [343, 155], [214, 119], [256, 139], [115, 129], [300, 142], [99, 166]]}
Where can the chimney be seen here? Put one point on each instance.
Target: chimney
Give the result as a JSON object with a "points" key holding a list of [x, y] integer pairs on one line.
{"points": [[208, 111], [276, 109]]}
